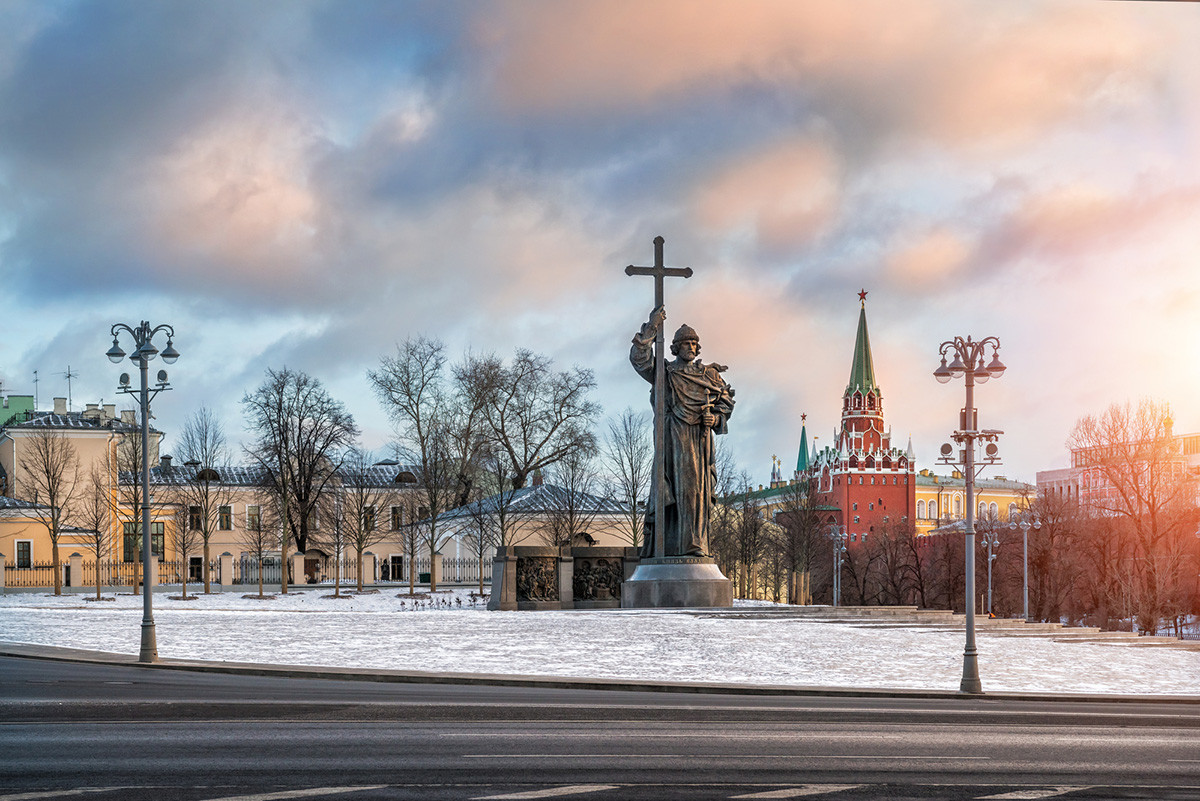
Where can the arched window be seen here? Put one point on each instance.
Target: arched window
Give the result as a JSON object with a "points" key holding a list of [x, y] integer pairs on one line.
{"points": [[993, 510], [982, 510], [958, 506], [920, 509], [933, 513], [1012, 511]]}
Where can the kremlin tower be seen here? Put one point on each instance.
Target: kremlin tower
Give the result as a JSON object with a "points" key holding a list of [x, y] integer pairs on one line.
{"points": [[861, 481]]}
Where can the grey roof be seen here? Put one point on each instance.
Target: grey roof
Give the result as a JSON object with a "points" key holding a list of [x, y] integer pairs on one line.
{"points": [[380, 475], [16, 503], [535, 500], [76, 420], [980, 483]]}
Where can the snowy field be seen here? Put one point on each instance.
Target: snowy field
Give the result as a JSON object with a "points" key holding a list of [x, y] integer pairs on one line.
{"points": [[389, 630]]}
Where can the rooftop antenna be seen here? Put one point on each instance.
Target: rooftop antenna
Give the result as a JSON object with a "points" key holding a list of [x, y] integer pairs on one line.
{"points": [[69, 375], [36, 402]]}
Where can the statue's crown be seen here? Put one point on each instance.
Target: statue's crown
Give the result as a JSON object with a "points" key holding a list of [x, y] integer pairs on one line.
{"points": [[685, 332]]}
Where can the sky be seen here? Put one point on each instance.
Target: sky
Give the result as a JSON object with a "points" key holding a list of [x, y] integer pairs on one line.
{"points": [[306, 184]]}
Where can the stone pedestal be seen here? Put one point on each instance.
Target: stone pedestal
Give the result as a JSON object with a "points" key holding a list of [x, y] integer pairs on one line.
{"points": [[687, 582], [226, 570]]}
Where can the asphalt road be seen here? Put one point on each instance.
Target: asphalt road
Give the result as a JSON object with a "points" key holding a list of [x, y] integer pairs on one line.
{"points": [[123, 732]]}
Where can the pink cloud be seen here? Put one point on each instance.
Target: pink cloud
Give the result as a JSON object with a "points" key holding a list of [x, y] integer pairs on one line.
{"points": [[945, 68], [786, 194]]}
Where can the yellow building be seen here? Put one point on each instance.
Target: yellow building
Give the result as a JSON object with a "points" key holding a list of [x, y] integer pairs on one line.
{"points": [[944, 497]]}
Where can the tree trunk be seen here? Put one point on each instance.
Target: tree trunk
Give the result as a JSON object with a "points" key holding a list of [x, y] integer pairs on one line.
{"points": [[358, 571], [207, 580], [57, 568]]}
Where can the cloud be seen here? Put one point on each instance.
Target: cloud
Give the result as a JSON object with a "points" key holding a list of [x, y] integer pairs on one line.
{"points": [[785, 195], [928, 259]]}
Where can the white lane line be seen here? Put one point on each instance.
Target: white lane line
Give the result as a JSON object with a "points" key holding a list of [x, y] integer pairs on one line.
{"points": [[922, 757], [59, 793], [1046, 792], [553, 792], [283, 795], [804, 789]]}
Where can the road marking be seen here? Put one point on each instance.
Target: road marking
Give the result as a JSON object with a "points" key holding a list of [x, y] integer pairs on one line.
{"points": [[923, 757], [58, 793], [283, 795], [1046, 792], [553, 792], [796, 792]]}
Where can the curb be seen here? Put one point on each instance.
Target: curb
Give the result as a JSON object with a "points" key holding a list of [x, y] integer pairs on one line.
{"points": [[58, 654]]}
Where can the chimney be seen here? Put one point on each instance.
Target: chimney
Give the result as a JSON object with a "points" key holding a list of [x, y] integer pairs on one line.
{"points": [[537, 478], [60, 405], [129, 416], [110, 411], [91, 412], [164, 462]]}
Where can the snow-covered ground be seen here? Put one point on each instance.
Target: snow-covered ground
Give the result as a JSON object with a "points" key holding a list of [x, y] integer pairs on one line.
{"points": [[389, 630]]}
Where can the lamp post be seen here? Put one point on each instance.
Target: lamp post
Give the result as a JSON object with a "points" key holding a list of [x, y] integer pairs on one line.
{"points": [[143, 337], [1024, 525], [991, 540], [969, 363], [838, 533]]}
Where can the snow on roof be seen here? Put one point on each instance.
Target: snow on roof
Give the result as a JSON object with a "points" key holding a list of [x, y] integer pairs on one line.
{"points": [[542, 499]]}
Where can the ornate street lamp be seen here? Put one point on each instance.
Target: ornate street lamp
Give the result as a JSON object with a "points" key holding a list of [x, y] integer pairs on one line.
{"points": [[838, 533], [143, 337], [991, 540], [969, 363], [1024, 525]]}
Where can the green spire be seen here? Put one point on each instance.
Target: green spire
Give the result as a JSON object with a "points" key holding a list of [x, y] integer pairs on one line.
{"points": [[862, 371], [802, 458]]}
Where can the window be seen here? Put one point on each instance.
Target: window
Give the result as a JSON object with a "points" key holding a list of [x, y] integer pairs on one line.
{"points": [[225, 518], [920, 509], [864, 536], [854, 537], [24, 553], [982, 510], [368, 520], [194, 518], [854, 506], [871, 506], [423, 512], [253, 518], [993, 510], [958, 506], [856, 518], [933, 510], [397, 517], [133, 541]]}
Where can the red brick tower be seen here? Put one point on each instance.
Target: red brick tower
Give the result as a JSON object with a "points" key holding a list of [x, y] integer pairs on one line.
{"points": [[872, 483]]}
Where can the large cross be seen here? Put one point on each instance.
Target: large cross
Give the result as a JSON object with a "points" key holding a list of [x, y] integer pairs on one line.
{"points": [[660, 378]]}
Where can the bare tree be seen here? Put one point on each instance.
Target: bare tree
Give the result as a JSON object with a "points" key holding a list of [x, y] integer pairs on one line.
{"points": [[1137, 474], [199, 485], [262, 535], [362, 498], [572, 487], [438, 426], [535, 415], [50, 472], [300, 434], [185, 540], [628, 449], [334, 535], [95, 516], [802, 536]]}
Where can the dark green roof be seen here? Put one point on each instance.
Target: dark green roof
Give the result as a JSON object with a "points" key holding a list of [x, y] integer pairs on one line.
{"points": [[802, 457], [862, 371]]}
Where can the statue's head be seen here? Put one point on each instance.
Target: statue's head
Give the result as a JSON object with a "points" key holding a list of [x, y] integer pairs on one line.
{"points": [[686, 334]]}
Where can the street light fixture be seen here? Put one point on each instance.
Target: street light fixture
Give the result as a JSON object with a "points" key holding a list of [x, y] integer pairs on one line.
{"points": [[991, 540], [1024, 525], [969, 362], [142, 338], [838, 533]]}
